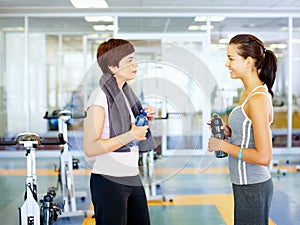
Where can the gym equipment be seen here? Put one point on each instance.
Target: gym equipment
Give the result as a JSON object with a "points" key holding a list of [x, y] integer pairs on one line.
{"points": [[218, 132], [147, 159], [67, 164], [29, 213], [49, 210], [147, 172], [276, 171]]}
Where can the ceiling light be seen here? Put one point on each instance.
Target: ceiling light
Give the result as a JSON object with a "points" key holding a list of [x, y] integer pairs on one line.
{"points": [[194, 27], [12, 29], [103, 27], [89, 3], [280, 46], [110, 27], [197, 27], [99, 18], [212, 18], [99, 27], [223, 41], [200, 18], [217, 18]]}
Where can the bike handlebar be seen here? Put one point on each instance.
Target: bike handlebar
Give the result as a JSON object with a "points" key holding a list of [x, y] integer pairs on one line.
{"points": [[59, 141], [32, 137], [64, 113], [5, 143]]}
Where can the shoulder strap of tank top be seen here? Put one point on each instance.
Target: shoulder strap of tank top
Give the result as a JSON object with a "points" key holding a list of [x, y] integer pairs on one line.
{"points": [[251, 94], [259, 92]]}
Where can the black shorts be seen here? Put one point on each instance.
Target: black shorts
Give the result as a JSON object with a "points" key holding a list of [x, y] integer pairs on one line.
{"points": [[119, 200]]}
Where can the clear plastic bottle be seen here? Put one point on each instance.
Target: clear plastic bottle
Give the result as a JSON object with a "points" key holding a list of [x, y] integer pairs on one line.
{"points": [[140, 120], [216, 124]]}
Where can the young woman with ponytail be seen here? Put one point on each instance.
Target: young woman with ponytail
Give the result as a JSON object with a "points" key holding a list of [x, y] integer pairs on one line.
{"points": [[250, 145]]}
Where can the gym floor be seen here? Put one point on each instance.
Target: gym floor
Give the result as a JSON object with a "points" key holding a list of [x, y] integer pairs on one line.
{"points": [[187, 193]]}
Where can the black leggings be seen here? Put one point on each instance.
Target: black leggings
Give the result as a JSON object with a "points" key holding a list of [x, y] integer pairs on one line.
{"points": [[119, 200], [252, 203]]}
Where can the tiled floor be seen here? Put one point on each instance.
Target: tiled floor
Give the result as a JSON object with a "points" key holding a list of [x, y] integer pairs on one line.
{"points": [[199, 196]]}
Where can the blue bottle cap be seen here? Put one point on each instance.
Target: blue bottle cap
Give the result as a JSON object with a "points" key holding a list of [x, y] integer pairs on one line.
{"points": [[144, 112]]}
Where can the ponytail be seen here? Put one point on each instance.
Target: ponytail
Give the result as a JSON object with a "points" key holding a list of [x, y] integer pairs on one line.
{"points": [[267, 73]]}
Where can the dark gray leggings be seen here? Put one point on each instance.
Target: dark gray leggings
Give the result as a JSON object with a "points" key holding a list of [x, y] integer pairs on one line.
{"points": [[252, 203], [119, 200]]}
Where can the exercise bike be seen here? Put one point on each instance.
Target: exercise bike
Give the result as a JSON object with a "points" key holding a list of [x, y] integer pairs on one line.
{"points": [[30, 212], [67, 164]]}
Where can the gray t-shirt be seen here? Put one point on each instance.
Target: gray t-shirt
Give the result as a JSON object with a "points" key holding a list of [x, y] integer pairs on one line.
{"points": [[242, 135]]}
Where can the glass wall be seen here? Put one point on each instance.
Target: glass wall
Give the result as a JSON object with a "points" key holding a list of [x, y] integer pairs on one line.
{"points": [[13, 81], [52, 66], [296, 83]]}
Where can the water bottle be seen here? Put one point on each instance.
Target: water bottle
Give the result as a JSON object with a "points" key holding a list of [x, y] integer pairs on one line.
{"points": [[216, 124], [140, 120]]}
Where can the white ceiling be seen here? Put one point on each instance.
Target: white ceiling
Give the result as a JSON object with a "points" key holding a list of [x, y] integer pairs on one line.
{"points": [[154, 16], [161, 3]]}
